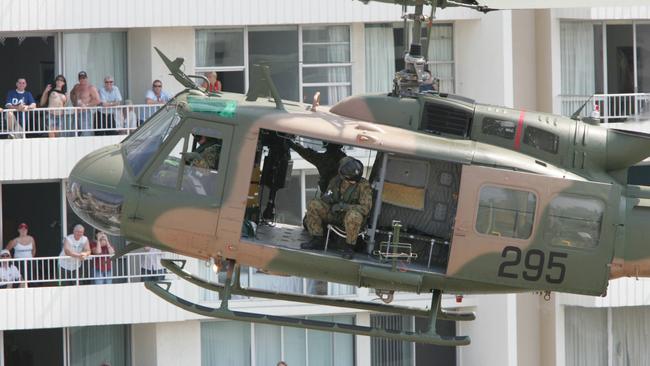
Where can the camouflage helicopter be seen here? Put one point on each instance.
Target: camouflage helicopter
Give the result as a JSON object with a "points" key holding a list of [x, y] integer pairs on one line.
{"points": [[466, 197]]}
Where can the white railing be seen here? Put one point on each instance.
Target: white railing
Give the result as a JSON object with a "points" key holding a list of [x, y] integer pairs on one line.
{"points": [[74, 121], [47, 271], [613, 107]]}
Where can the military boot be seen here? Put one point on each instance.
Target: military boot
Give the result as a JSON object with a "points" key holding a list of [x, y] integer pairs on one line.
{"points": [[315, 243], [348, 251]]}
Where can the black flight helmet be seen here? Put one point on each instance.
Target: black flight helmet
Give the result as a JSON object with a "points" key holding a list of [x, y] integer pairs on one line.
{"points": [[350, 169]]}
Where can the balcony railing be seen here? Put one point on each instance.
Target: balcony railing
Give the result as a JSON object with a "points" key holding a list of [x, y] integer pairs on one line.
{"points": [[137, 267], [74, 121], [613, 107]]}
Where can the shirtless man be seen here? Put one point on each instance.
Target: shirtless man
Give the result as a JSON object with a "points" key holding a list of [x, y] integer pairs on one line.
{"points": [[85, 94]]}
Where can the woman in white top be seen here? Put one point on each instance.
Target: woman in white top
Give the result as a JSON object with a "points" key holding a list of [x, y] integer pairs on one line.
{"points": [[24, 246]]}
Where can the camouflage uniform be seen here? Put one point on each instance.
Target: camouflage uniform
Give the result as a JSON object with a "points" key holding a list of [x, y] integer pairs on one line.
{"points": [[358, 200], [209, 156]]}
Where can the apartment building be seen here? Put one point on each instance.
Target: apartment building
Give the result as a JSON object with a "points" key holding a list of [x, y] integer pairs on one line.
{"points": [[549, 60]]}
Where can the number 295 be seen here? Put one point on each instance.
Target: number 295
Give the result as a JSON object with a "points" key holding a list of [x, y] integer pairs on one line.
{"points": [[533, 262]]}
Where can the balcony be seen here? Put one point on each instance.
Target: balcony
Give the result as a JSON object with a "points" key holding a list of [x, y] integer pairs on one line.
{"points": [[613, 107], [47, 296], [74, 121]]}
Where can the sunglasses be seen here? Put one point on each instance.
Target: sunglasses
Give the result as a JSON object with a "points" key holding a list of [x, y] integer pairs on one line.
{"points": [[4, 256], [60, 80], [157, 86], [109, 82]]}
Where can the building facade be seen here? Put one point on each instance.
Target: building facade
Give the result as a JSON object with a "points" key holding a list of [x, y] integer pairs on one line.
{"points": [[548, 60]]}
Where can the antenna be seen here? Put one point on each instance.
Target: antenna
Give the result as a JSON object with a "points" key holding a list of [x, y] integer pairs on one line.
{"points": [[263, 86], [576, 115]]}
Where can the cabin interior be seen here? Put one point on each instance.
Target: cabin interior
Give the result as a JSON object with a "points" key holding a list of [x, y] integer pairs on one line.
{"points": [[420, 193]]}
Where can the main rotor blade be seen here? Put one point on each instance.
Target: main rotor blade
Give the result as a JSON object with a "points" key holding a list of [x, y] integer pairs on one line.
{"points": [[551, 4]]}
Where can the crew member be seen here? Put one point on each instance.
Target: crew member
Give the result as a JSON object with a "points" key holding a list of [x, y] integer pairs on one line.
{"points": [[206, 154], [326, 162], [347, 200]]}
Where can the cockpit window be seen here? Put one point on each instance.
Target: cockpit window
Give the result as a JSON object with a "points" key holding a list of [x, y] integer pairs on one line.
{"points": [[145, 142], [541, 140], [499, 127]]}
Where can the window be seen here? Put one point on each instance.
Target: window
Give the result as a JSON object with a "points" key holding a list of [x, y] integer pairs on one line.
{"points": [[574, 221], [500, 128], [541, 140], [222, 51], [277, 47], [229, 343], [143, 144], [506, 212], [326, 66], [192, 165], [99, 344], [97, 53]]}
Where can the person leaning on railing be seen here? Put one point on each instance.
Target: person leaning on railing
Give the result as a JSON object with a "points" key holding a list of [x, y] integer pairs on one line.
{"points": [[54, 96], [76, 249], [103, 248], [110, 96]]}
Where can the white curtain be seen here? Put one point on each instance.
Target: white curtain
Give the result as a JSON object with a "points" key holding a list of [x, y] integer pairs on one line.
{"points": [[91, 346], [336, 54], [267, 344], [630, 330], [380, 58], [441, 56], [201, 44], [225, 343], [585, 336], [577, 55], [99, 54]]}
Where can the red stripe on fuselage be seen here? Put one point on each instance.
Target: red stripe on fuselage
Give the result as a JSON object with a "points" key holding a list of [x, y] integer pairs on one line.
{"points": [[520, 128]]}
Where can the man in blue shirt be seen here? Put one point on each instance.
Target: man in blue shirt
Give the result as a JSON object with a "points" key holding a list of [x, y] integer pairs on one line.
{"points": [[21, 101], [109, 96]]}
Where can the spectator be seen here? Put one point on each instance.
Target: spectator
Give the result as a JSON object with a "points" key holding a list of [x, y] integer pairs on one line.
{"points": [[156, 95], [110, 96], [102, 265], [213, 85], [55, 97], [20, 100], [9, 274], [127, 119], [150, 265], [84, 95], [24, 246], [75, 250], [282, 363]]}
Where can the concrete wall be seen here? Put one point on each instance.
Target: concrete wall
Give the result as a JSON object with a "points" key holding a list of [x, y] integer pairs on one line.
{"points": [[524, 57], [544, 70], [139, 63], [143, 344], [528, 329], [178, 343], [494, 332], [483, 56]]}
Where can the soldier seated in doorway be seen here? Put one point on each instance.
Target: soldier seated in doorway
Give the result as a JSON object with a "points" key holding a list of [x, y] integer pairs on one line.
{"points": [[347, 201]]}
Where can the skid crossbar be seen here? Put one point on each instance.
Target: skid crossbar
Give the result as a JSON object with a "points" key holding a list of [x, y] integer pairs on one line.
{"points": [[162, 290], [173, 266]]}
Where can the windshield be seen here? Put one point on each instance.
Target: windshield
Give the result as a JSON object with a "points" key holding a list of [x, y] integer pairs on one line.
{"points": [[145, 142]]}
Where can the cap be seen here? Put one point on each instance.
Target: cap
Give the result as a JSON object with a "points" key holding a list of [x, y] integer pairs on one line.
{"points": [[4, 251], [82, 74], [23, 226]]}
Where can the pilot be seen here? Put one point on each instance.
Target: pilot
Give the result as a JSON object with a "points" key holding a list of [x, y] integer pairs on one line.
{"points": [[206, 154], [347, 200], [326, 162]]}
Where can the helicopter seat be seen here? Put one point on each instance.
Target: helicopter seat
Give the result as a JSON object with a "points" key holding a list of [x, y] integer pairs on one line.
{"points": [[340, 232]]}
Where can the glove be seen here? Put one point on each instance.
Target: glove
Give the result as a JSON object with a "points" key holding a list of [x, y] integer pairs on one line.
{"points": [[338, 207], [189, 157]]}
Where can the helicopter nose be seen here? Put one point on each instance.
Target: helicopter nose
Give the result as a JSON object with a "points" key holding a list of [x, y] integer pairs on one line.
{"points": [[93, 189]]}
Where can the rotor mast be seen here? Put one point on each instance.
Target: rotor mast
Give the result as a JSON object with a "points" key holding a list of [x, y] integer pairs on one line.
{"points": [[407, 82]]}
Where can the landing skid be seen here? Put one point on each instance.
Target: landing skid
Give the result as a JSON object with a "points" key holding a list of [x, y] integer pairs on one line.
{"points": [[232, 287]]}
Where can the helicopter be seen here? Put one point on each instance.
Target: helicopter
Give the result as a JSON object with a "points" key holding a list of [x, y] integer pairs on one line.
{"points": [[466, 197]]}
